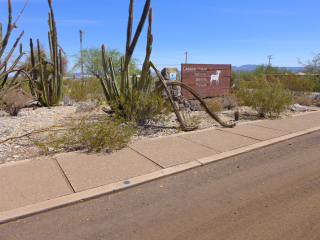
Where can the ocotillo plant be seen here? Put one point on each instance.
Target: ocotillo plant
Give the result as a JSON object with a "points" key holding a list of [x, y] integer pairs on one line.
{"points": [[5, 85], [48, 85]]}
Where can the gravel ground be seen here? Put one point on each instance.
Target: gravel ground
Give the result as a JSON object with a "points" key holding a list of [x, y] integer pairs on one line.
{"points": [[29, 120]]}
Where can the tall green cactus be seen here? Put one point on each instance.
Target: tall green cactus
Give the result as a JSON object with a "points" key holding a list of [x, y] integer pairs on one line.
{"points": [[116, 96], [113, 92], [5, 84], [48, 88]]}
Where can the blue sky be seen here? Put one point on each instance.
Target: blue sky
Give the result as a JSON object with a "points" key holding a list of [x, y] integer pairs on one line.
{"points": [[236, 32]]}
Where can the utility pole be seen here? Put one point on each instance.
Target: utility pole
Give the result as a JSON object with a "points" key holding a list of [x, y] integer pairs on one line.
{"points": [[81, 32], [186, 53], [270, 57]]}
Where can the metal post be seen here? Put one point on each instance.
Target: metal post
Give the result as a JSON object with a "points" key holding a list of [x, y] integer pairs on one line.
{"points": [[81, 32], [270, 57], [186, 53]]}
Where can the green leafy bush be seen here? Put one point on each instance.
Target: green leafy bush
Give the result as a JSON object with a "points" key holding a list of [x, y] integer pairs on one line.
{"points": [[82, 92], [298, 84], [91, 133], [141, 107], [265, 97]]}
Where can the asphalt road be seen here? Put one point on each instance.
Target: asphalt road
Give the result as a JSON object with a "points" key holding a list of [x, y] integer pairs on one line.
{"points": [[270, 193]]}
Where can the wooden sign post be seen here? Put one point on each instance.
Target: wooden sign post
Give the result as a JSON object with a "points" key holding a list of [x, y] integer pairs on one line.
{"points": [[206, 79]]}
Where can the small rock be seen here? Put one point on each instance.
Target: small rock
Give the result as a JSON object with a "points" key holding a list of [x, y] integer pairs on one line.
{"points": [[298, 107]]}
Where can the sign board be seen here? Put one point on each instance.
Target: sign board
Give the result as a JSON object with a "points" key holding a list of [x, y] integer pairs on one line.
{"points": [[206, 79]]}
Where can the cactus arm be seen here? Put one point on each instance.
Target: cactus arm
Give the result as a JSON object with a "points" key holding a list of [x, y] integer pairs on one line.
{"points": [[12, 49], [129, 28], [10, 26], [203, 103], [146, 65], [43, 97], [176, 111], [32, 53], [1, 34], [60, 90], [105, 70], [129, 35], [4, 42], [4, 75], [54, 38], [123, 78], [59, 94], [130, 50], [113, 77], [14, 24], [50, 44], [137, 33], [16, 61]]}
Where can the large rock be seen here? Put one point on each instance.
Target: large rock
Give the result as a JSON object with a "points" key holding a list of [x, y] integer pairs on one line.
{"points": [[299, 108], [171, 74]]}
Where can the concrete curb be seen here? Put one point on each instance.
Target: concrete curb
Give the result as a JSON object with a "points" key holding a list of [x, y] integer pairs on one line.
{"points": [[29, 210]]}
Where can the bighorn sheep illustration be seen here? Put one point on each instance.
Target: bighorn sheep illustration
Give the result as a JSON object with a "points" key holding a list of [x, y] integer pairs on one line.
{"points": [[215, 77]]}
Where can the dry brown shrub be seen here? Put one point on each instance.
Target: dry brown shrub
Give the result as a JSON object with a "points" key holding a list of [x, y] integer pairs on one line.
{"points": [[13, 101], [215, 104], [303, 100], [231, 101]]}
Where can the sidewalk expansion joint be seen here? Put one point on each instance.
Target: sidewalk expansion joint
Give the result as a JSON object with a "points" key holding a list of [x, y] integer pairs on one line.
{"points": [[199, 144], [146, 157], [238, 134], [63, 175]]}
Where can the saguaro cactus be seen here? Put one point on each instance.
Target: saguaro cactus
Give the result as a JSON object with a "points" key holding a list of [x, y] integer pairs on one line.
{"points": [[48, 85]]}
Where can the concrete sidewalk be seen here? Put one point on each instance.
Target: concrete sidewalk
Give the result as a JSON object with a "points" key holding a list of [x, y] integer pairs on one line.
{"points": [[37, 185]]}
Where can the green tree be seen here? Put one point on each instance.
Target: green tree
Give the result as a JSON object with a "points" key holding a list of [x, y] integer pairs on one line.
{"points": [[312, 70], [236, 76], [92, 61], [27, 64], [269, 69]]}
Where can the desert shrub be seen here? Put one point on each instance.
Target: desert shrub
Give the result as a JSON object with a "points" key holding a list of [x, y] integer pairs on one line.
{"points": [[265, 97], [236, 76], [298, 84], [81, 92], [230, 101], [141, 107], [303, 100], [13, 101], [76, 91], [191, 120], [215, 104], [91, 133]]}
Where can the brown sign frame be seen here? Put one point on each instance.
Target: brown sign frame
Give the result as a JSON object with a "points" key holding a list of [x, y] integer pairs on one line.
{"points": [[206, 79]]}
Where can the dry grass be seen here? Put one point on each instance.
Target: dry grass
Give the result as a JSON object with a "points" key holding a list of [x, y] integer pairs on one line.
{"points": [[303, 100], [215, 104]]}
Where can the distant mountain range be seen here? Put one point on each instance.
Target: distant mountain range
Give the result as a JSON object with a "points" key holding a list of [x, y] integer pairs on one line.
{"points": [[248, 67], [251, 67]]}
